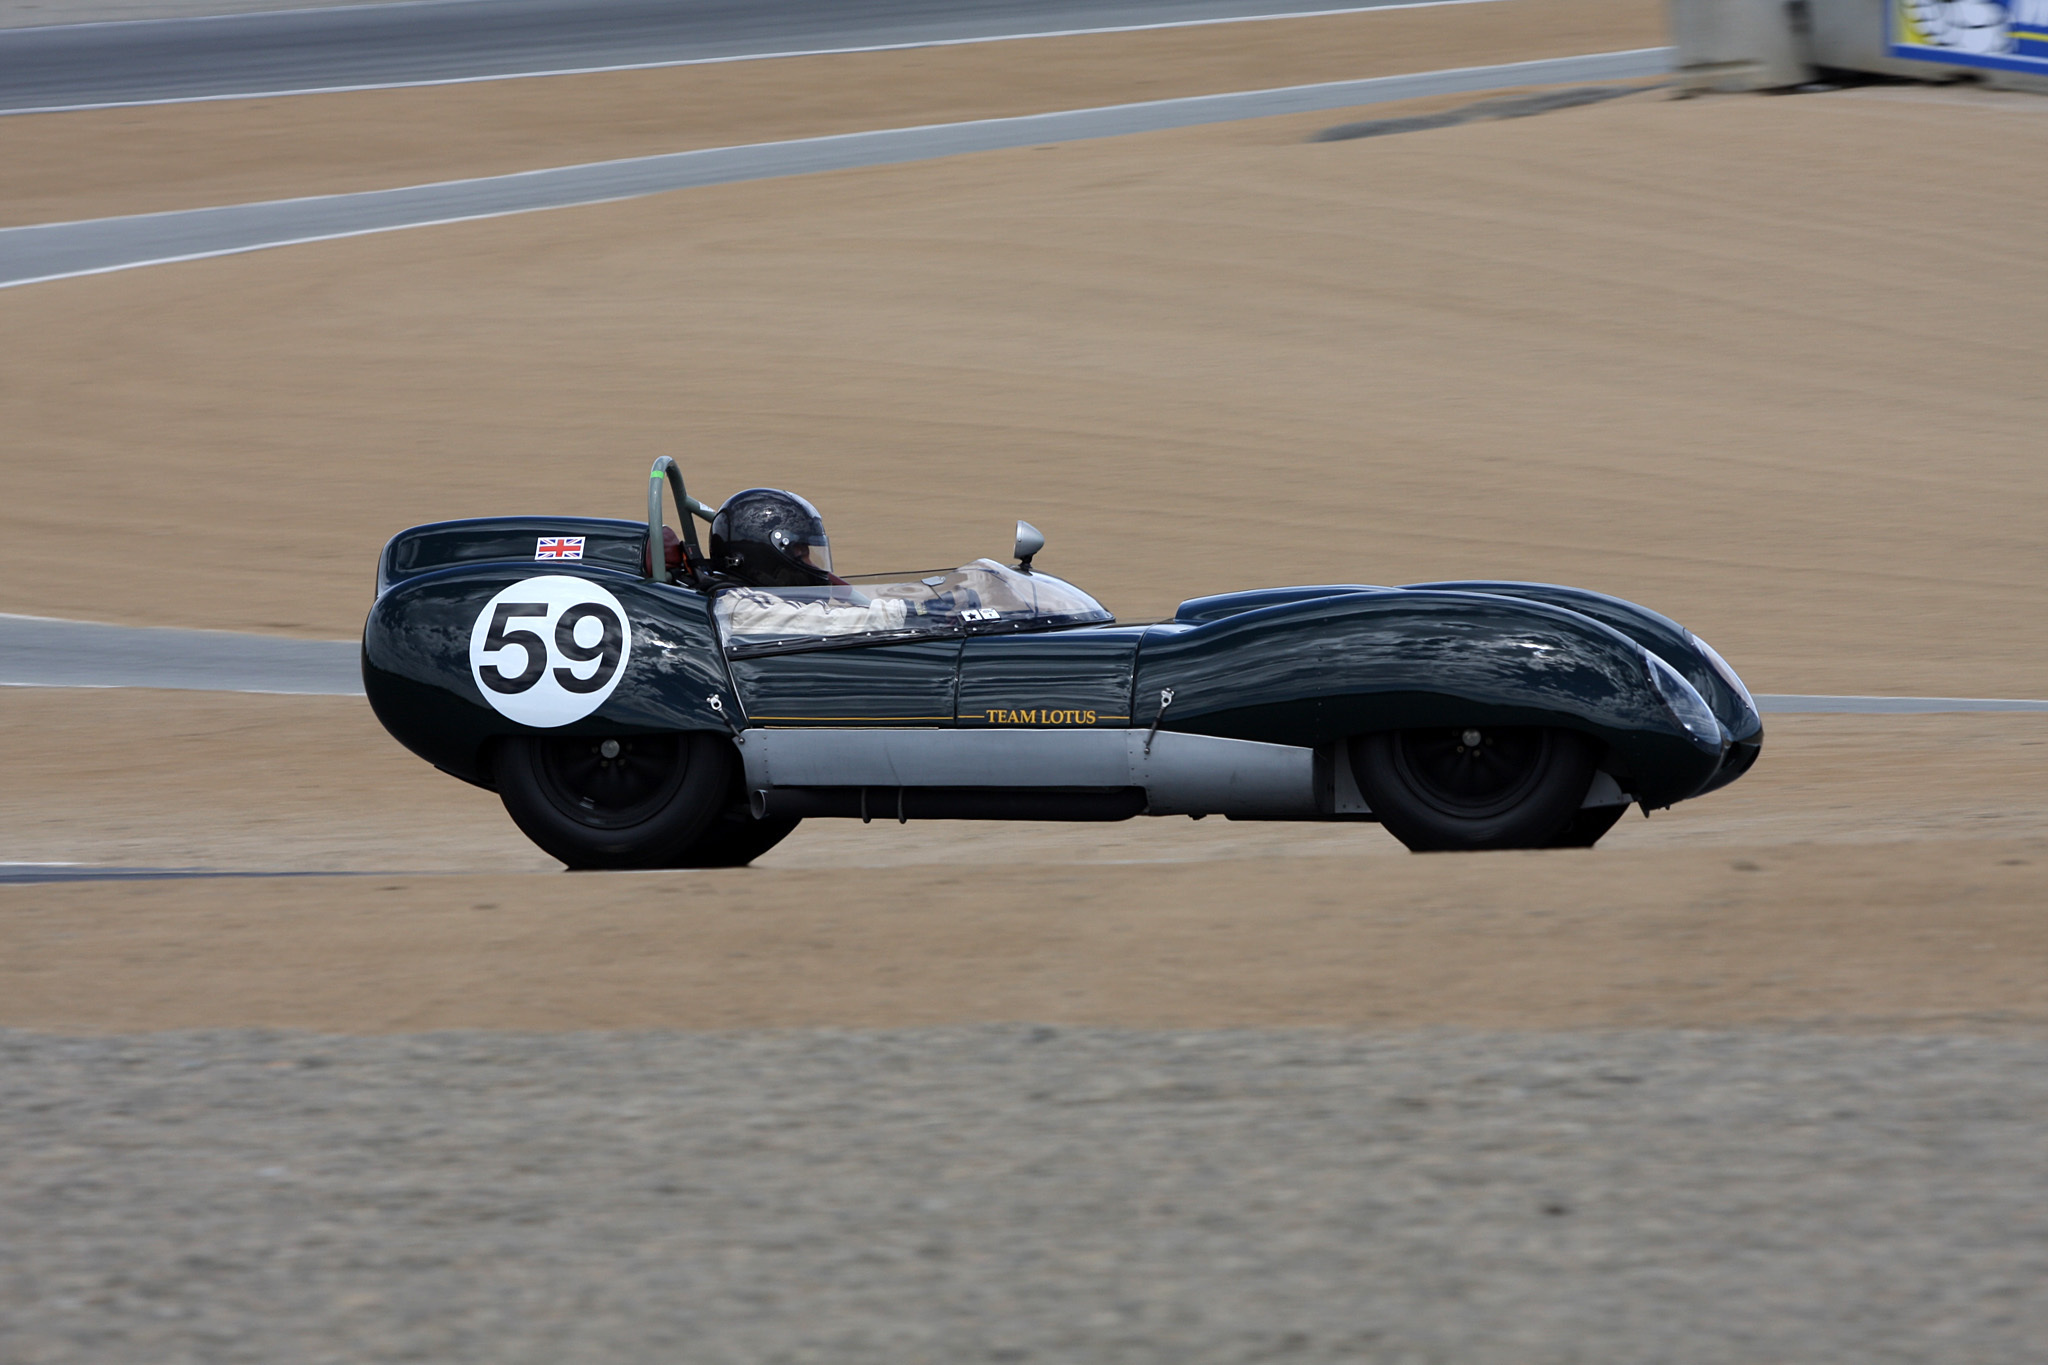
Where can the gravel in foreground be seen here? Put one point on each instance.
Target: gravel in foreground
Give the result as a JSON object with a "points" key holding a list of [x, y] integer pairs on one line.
{"points": [[1014, 1194]]}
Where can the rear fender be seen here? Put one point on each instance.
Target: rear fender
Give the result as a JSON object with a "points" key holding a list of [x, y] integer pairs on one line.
{"points": [[602, 543], [416, 663]]}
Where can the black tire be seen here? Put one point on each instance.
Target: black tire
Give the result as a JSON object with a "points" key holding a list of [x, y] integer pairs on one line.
{"points": [[643, 804], [735, 839], [1586, 826], [1437, 790]]}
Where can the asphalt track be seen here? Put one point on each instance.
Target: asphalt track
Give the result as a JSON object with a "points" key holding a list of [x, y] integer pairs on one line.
{"points": [[54, 251], [42, 874], [39, 651], [440, 41]]}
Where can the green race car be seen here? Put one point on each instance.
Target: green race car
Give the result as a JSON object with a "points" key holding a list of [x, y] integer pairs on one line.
{"points": [[635, 704]]}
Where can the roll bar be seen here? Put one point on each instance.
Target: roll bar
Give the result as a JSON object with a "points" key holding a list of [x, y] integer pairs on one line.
{"points": [[657, 559]]}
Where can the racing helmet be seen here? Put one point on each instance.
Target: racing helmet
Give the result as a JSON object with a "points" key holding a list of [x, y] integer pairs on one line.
{"points": [[771, 538]]}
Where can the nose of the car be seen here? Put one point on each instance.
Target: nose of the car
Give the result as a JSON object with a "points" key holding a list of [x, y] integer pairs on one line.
{"points": [[1737, 758]]}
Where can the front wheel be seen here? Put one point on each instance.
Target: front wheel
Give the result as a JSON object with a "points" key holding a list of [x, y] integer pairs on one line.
{"points": [[614, 801], [1586, 826], [1474, 787]]}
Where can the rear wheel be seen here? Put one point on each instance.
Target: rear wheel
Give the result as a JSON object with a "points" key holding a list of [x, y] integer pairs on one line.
{"points": [[1474, 787], [735, 839], [614, 801]]}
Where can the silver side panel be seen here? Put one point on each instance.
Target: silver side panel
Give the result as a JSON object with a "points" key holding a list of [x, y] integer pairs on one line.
{"points": [[936, 758], [1183, 774], [1198, 775]]}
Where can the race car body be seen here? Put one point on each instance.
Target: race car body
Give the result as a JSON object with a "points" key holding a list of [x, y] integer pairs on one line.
{"points": [[633, 715]]}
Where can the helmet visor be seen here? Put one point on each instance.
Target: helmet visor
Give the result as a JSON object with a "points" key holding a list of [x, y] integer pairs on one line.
{"points": [[817, 553]]}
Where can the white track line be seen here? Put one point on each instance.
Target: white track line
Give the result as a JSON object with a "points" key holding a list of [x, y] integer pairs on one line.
{"points": [[710, 61], [45, 252], [1792, 704], [239, 14], [267, 245]]}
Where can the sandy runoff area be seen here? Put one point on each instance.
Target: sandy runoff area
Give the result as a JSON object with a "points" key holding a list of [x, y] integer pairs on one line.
{"points": [[1707, 354]]}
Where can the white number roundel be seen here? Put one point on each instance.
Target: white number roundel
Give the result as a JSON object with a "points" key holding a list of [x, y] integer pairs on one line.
{"points": [[549, 650]]}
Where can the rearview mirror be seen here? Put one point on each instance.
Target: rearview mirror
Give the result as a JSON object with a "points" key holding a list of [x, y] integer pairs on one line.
{"points": [[1029, 543]]}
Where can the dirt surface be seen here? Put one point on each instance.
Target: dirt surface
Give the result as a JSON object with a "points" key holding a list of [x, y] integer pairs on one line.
{"points": [[1891, 937], [1651, 347], [1764, 364], [278, 784], [1654, 347], [96, 163], [1872, 873]]}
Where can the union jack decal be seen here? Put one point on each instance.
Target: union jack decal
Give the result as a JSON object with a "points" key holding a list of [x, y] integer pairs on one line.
{"points": [[559, 547]]}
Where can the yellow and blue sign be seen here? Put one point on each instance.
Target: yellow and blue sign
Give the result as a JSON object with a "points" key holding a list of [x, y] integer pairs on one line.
{"points": [[2000, 35]]}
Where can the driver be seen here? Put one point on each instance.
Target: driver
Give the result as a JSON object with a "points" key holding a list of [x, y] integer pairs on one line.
{"points": [[767, 538]]}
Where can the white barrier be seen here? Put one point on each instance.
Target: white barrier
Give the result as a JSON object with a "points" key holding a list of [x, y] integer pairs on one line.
{"points": [[1774, 44]]}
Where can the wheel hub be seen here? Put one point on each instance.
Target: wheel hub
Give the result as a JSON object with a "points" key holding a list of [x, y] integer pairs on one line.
{"points": [[610, 783], [1472, 773]]}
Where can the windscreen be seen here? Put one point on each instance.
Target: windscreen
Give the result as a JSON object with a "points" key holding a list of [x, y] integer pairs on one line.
{"points": [[981, 598]]}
